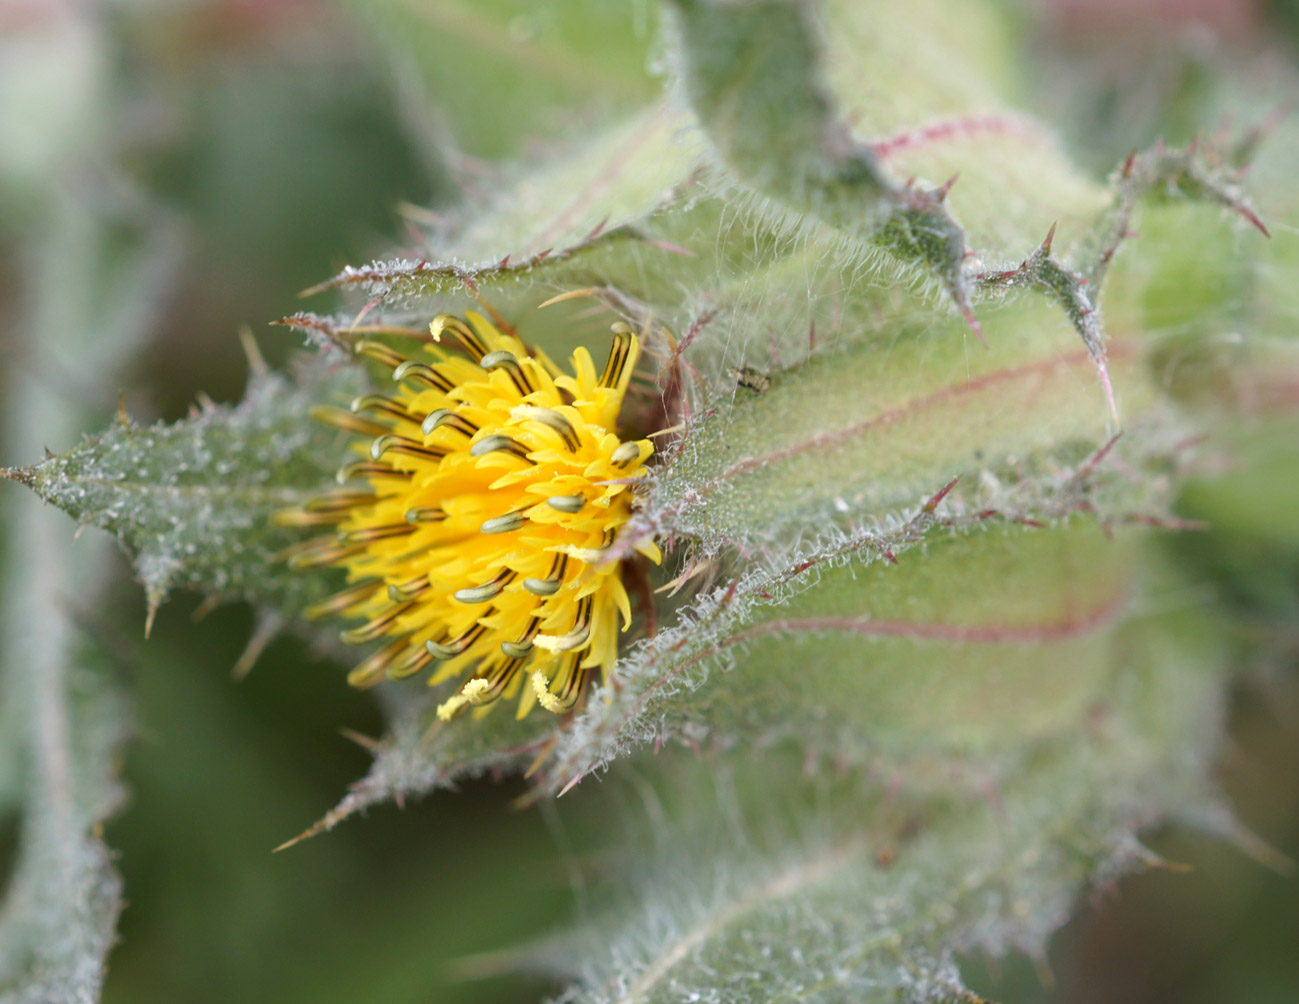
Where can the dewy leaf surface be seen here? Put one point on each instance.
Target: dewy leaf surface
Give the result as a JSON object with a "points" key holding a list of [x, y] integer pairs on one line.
{"points": [[192, 502]]}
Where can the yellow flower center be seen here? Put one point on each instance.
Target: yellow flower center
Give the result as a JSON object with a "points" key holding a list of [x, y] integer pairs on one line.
{"points": [[493, 485]]}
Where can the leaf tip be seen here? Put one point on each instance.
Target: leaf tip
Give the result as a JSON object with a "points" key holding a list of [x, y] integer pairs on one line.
{"points": [[1045, 249], [23, 475]]}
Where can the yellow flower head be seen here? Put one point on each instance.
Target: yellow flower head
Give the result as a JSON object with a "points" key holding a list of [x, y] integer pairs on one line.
{"points": [[473, 527]]}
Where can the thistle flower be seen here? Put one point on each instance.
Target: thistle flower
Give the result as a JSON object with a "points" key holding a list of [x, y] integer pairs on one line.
{"points": [[473, 525]]}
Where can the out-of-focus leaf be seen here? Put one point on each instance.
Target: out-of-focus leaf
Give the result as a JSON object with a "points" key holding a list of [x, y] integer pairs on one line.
{"points": [[60, 908], [93, 265], [502, 72]]}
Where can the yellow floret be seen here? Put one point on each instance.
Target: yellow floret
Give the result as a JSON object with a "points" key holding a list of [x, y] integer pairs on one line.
{"points": [[493, 486]]}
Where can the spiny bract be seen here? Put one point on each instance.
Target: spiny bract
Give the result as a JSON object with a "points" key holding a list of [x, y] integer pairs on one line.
{"points": [[473, 527]]}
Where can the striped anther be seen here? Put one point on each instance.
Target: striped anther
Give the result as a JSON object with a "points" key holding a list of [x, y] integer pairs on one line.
{"points": [[566, 503], [414, 660], [443, 650], [379, 352], [425, 515], [370, 534], [371, 671], [550, 585], [499, 443], [334, 606], [625, 454], [576, 638], [521, 648], [369, 469], [487, 591], [462, 332], [503, 524], [376, 627], [409, 590], [445, 416], [422, 373], [404, 446], [503, 359], [554, 420], [383, 405], [347, 422], [619, 352]]}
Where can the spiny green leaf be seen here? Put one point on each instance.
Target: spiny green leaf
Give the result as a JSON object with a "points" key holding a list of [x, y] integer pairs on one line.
{"points": [[771, 883], [977, 643], [861, 435], [192, 502]]}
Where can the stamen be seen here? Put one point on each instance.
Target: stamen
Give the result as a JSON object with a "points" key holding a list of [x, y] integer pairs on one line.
{"points": [[376, 627], [406, 447], [522, 647], [418, 515], [370, 672], [445, 416], [379, 352], [576, 638], [303, 518], [342, 600], [474, 692], [384, 405], [498, 443], [340, 501], [487, 591], [503, 359], [567, 503], [452, 706], [568, 694], [618, 354], [317, 552], [410, 664], [422, 373], [348, 422], [570, 690], [324, 509], [468, 338], [508, 523], [442, 650], [549, 586], [369, 469], [369, 534], [625, 454], [487, 688], [554, 420], [409, 590]]}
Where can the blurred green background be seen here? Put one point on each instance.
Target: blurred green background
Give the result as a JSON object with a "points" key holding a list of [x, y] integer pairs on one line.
{"points": [[280, 140]]}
